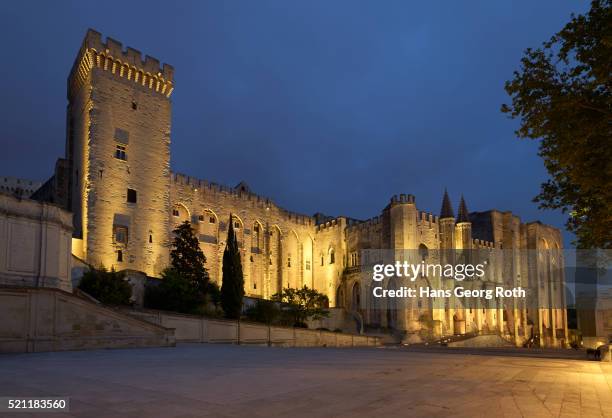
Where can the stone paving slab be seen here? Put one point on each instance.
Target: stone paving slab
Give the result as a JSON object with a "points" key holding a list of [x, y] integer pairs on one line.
{"points": [[238, 381]]}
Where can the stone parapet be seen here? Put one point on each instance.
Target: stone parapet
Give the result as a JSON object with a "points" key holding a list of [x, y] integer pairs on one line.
{"points": [[35, 243]]}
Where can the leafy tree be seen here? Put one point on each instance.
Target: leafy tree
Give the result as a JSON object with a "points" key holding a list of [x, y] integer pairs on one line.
{"points": [[563, 97], [109, 287], [232, 287], [303, 304], [187, 258]]}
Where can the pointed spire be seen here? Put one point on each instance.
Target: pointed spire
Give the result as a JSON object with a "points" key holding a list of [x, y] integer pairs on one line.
{"points": [[463, 215], [447, 208]]}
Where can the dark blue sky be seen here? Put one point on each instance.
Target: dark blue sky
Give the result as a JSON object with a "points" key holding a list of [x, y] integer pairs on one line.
{"points": [[328, 106]]}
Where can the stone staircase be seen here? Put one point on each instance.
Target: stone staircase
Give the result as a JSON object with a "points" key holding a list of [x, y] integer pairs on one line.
{"points": [[46, 319]]}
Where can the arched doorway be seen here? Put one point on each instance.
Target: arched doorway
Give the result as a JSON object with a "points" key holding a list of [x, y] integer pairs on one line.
{"points": [[423, 252], [340, 297], [356, 297]]}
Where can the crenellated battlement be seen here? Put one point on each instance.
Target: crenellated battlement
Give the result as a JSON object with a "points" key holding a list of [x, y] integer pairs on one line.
{"points": [[480, 243], [427, 217], [330, 225], [129, 64], [210, 189], [403, 199], [368, 223]]}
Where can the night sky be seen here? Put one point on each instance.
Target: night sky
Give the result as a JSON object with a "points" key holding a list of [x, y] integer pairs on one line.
{"points": [[330, 106]]}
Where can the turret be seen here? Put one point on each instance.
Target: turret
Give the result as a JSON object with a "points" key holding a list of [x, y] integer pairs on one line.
{"points": [[447, 223], [463, 228], [447, 209], [463, 215], [403, 215]]}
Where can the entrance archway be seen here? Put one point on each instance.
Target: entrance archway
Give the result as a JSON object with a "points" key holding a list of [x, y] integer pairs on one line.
{"points": [[356, 297]]}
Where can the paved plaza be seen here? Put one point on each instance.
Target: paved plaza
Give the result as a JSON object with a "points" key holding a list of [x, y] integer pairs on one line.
{"points": [[239, 381]]}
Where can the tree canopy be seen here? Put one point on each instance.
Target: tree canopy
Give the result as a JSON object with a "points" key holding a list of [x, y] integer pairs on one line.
{"points": [[185, 283], [562, 95], [303, 304], [187, 258]]}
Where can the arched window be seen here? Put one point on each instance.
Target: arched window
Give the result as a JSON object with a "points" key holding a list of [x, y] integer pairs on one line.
{"points": [[180, 214], [238, 230], [208, 227], [332, 256], [256, 238]]}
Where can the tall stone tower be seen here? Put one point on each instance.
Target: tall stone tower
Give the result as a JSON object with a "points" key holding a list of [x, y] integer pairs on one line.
{"points": [[403, 215], [118, 150]]}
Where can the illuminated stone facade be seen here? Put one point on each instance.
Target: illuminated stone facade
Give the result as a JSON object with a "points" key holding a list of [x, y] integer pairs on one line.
{"points": [[126, 202], [118, 144]]}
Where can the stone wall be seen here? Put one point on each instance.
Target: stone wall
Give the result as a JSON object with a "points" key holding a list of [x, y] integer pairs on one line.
{"points": [[279, 248], [338, 319], [190, 328], [36, 320], [35, 241]]}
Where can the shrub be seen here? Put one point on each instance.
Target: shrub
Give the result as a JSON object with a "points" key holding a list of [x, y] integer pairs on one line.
{"points": [[213, 294], [212, 302], [109, 287], [174, 293], [265, 311]]}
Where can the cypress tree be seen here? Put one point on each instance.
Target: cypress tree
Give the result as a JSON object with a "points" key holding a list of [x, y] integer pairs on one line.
{"points": [[232, 288]]}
